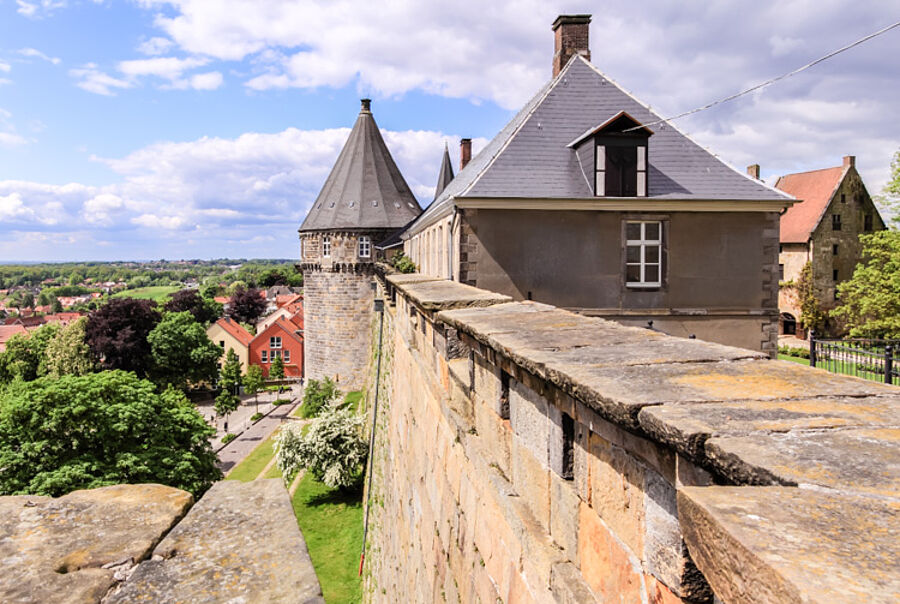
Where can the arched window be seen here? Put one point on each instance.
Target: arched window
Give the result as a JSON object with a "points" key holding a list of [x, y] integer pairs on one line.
{"points": [[788, 324]]}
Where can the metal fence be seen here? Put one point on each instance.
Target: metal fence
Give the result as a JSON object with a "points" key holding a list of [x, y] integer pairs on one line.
{"points": [[865, 358]]}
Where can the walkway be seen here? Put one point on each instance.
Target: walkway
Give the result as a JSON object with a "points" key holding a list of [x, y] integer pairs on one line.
{"points": [[239, 448]]}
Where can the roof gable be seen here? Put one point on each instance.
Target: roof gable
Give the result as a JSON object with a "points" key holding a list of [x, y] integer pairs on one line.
{"points": [[365, 189], [235, 330], [816, 189], [280, 325], [531, 157]]}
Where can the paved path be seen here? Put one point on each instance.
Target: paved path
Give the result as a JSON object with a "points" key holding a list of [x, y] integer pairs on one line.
{"points": [[239, 448]]}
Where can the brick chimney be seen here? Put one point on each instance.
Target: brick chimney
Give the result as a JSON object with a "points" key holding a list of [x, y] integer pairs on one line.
{"points": [[571, 38], [365, 105], [465, 152], [753, 171], [849, 161]]}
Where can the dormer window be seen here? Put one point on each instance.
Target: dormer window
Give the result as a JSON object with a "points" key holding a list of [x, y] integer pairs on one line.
{"points": [[620, 161]]}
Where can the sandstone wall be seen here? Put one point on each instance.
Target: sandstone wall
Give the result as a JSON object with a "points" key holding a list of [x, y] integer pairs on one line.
{"points": [[337, 306], [528, 454]]}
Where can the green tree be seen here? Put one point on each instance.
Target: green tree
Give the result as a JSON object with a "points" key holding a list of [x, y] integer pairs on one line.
{"points": [[25, 355], [317, 395], [67, 353], [81, 432], [403, 263], [870, 300], [236, 286], [226, 404], [276, 370], [890, 194], [56, 305], [254, 382], [230, 378], [204, 310], [118, 331], [332, 448], [182, 353], [44, 298], [811, 314], [28, 300]]}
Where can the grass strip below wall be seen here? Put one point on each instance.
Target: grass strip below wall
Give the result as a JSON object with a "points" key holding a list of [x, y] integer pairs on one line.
{"points": [[254, 463], [331, 521]]}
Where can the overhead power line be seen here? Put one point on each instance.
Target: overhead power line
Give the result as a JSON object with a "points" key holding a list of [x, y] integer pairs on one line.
{"points": [[773, 80]]}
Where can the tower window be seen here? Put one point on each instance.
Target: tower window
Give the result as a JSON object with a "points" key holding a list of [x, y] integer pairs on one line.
{"points": [[643, 254], [365, 246], [867, 222], [834, 249], [835, 222], [326, 245], [834, 275], [843, 198]]}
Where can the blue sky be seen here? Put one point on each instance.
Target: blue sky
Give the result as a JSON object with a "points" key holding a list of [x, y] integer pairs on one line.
{"points": [[193, 128]]}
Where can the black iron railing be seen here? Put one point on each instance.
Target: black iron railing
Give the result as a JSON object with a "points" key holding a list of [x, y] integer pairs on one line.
{"points": [[865, 358]]}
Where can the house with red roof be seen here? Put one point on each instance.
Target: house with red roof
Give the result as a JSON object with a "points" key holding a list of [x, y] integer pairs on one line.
{"points": [[8, 331], [231, 335], [280, 339], [822, 229]]}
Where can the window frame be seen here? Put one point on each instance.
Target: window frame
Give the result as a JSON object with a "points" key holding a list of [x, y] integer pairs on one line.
{"points": [[286, 356], [835, 222], [364, 240], [274, 342], [643, 244], [326, 246], [639, 143], [264, 356]]}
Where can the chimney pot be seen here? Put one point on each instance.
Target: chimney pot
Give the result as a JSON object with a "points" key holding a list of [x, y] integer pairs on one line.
{"points": [[465, 152], [849, 161], [753, 171], [571, 38], [366, 105]]}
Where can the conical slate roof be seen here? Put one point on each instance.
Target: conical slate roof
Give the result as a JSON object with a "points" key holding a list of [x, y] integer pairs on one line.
{"points": [[446, 173], [365, 189]]}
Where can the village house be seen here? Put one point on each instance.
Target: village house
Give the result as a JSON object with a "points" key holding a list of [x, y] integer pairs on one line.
{"points": [[590, 201], [279, 339], [8, 331], [823, 230], [289, 307], [231, 335]]}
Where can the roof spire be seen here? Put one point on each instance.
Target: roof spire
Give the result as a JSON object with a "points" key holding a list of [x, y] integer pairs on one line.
{"points": [[445, 175]]}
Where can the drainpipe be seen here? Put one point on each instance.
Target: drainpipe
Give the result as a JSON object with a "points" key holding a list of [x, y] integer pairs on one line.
{"points": [[379, 308]]}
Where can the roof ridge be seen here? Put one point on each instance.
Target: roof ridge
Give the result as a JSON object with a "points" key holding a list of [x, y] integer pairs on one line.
{"points": [[811, 171]]}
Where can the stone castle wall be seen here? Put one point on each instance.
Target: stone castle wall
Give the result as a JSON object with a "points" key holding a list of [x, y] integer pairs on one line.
{"points": [[528, 454], [337, 305]]}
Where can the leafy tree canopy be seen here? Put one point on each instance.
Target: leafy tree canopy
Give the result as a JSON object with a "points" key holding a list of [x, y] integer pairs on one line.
{"points": [[246, 305], [890, 195], [226, 403], [254, 380], [870, 300], [403, 263], [182, 353], [276, 369], [230, 378], [205, 311], [811, 314], [25, 355], [81, 432], [117, 334], [317, 395], [67, 353]]}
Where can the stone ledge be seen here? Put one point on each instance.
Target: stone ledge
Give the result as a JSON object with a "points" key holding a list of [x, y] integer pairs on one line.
{"points": [[777, 544], [436, 295]]}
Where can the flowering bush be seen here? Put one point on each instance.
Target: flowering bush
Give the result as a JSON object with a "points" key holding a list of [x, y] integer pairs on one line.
{"points": [[332, 448]]}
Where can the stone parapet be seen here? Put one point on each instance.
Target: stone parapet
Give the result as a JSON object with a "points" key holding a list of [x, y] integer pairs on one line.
{"points": [[133, 543], [534, 454]]}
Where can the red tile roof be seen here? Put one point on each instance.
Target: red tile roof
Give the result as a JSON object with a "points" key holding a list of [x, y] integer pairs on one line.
{"points": [[286, 299], [815, 190], [222, 299], [8, 331], [235, 329]]}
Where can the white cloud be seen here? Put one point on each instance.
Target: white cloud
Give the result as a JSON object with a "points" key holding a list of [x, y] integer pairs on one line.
{"points": [[8, 135], [5, 67], [206, 81], [91, 79], [39, 8], [155, 46], [11, 206], [170, 68], [33, 53]]}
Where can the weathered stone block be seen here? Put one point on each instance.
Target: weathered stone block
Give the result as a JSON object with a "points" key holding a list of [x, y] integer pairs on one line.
{"points": [[531, 480], [607, 567], [567, 585], [529, 420], [617, 492], [564, 506]]}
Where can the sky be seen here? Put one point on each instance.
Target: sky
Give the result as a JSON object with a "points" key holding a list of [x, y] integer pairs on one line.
{"points": [[147, 129]]}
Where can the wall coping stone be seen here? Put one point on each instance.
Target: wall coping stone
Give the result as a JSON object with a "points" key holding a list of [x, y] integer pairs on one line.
{"points": [[748, 419]]}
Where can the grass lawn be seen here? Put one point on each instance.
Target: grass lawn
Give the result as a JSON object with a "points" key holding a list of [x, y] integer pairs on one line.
{"points": [[331, 522], [786, 357], [159, 293], [353, 399], [254, 463]]}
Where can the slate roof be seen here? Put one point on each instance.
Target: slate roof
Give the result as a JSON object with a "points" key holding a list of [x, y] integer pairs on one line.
{"points": [[365, 189], [816, 189], [530, 158], [445, 175]]}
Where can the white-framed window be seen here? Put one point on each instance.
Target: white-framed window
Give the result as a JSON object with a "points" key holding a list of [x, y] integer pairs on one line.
{"points": [[264, 356], [365, 246], [274, 354], [621, 171], [643, 253], [326, 246], [287, 356], [275, 342]]}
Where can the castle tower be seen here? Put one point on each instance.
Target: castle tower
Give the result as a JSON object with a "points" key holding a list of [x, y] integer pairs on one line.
{"points": [[364, 199]]}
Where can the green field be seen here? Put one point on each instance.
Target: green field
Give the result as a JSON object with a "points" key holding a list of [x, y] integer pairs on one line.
{"points": [[159, 293], [786, 357], [331, 521]]}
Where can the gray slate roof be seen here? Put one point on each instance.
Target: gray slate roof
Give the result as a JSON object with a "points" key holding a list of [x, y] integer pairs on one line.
{"points": [[445, 175], [365, 189], [530, 157]]}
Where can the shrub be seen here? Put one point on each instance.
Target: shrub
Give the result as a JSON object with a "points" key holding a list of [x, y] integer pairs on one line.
{"points": [[317, 395], [281, 401], [403, 263], [332, 449], [256, 417], [793, 351], [228, 438]]}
